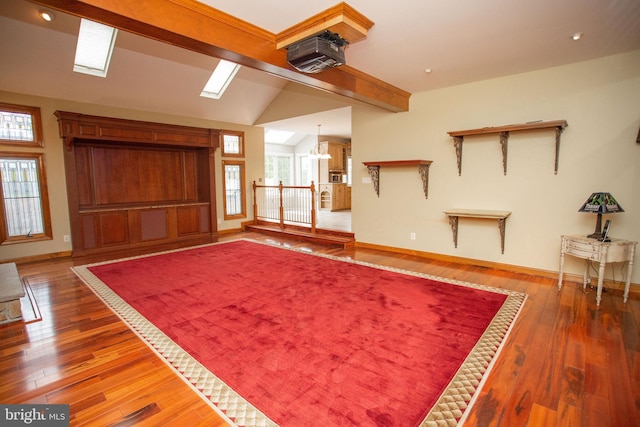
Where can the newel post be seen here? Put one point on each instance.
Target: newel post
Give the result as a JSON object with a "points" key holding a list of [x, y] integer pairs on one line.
{"points": [[255, 204], [280, 188], [313, 207]]}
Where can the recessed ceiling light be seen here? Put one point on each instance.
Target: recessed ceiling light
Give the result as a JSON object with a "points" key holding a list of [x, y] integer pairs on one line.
{"points": [[46, 15], [576, 36], [428, 70]]}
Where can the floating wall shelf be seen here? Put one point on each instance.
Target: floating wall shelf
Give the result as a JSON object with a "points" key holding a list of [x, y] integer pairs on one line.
{"points": [[423, 169], [458, 137]]}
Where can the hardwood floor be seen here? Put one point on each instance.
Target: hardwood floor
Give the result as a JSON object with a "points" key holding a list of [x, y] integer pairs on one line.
{"points": [[564, 364]]}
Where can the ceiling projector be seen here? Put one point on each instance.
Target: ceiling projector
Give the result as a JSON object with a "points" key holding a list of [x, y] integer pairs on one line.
{"points": [[317, 53]]}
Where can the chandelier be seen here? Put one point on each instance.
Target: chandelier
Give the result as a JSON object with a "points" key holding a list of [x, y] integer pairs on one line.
{"points": [[320, 150]]}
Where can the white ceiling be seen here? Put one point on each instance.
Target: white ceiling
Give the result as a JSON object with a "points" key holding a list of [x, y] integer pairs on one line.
{"points": [[461, 41]]}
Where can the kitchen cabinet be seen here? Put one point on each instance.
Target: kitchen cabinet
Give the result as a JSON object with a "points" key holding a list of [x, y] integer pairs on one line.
{"points": [[335, 197], [337, 162]]}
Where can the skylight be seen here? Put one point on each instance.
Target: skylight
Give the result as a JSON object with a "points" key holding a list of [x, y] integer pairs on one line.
{"points": [[95, 45], [275, 136], [220, 79]]}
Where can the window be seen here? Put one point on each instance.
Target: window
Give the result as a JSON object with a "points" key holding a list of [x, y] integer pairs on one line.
{"points": [[305, 172], [95, 46], [278, 167], [232, 144], [233, 186], [25, 203], [20, 125], [220, 79]]}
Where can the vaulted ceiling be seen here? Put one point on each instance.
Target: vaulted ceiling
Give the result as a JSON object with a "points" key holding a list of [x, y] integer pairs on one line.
{"points": [[459, 41]]}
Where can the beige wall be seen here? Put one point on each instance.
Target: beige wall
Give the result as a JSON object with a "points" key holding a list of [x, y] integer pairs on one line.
{"points": [[598, 152], [54, 164]]}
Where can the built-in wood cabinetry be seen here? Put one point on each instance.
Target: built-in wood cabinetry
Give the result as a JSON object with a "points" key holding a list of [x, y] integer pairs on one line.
{"points": [[335, 197], [137, 187], [337, 162]]}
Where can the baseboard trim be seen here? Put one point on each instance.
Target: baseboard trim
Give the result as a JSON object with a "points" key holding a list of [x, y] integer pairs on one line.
{"points": [[38, 258], [568, 277], [231, 231]]}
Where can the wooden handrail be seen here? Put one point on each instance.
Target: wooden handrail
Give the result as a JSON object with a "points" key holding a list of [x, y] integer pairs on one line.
{"points": [[281, 207]]}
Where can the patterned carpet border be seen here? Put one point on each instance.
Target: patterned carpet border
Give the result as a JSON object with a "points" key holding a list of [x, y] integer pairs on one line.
{"points": [[450, 410]]}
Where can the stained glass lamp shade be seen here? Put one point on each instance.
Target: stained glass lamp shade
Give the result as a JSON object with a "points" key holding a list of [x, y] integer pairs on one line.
{"points": [[600, 203]]}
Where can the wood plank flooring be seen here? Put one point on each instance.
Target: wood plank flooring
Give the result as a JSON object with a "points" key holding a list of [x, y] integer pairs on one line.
{"points": [[565, 362]]}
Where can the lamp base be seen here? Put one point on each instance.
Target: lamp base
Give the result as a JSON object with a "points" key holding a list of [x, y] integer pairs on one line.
{"points": [[598, 236]]}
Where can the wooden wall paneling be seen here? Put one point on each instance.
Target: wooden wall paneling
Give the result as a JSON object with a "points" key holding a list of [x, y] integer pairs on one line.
{"points": [[74, 126], [204, 219], [131, 175], [136, 187], [114, 228], [119, 132], [77, 239], [188, 220], [86, 238], [190, 173], [193, 137], [153, 224], [207, 186], [205, 176], [84, 175], [172, 219]]}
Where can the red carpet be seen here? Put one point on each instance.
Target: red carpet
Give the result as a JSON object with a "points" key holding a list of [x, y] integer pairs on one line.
{"points": [[311, 340]]}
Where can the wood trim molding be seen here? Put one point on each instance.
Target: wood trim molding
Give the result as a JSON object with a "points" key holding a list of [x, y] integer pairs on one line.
{"points": [[200, 28], [635, 287], [83, 126], [38, 258], [350, 24]]}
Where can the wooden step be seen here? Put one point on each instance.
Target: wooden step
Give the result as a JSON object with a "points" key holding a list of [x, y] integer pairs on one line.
{"points": [[326, 237]]}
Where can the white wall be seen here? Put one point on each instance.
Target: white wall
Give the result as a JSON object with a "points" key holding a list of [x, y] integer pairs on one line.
{"points": [[600, 99]]}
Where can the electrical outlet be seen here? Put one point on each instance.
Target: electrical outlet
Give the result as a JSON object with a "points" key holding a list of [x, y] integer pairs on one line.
{"points": [[413, 236], [66, 238]]}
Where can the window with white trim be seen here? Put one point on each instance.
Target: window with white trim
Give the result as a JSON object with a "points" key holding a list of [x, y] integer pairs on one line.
{"points": [[278, 167]]}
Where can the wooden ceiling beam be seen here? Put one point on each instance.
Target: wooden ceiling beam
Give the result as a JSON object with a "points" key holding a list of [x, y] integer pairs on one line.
{"points": [[342, 19], [195, 26]]}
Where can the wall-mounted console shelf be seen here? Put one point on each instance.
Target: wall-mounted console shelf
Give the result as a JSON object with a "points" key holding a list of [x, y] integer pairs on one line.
{"points": [[423, 169], [458, 137], [454, 214]]}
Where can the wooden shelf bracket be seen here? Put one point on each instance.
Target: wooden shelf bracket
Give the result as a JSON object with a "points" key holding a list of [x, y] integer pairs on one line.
{"points": [[504, 132], [423, 168], [500, 216]]}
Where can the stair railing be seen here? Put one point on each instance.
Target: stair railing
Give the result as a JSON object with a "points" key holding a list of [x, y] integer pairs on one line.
{"points": [[294, 205]]}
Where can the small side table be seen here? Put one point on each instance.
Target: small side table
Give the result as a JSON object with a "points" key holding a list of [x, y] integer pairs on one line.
{"points": [[617, 250]]}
